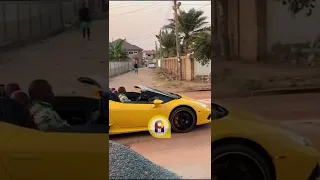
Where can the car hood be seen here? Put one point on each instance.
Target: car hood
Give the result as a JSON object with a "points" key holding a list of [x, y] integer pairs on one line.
{"points": [[188, 98], [240, 115]]}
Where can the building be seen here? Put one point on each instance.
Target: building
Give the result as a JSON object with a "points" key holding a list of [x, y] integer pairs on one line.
{"points": [[149, 54], [133, 51], [257, 28]]}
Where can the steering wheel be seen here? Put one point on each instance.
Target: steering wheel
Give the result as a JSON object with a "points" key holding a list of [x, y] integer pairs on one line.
{"points": [[94, 117]]}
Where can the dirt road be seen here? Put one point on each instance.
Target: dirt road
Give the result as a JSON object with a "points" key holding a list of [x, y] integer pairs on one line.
{"points": [[188, 155], [60, 60]]}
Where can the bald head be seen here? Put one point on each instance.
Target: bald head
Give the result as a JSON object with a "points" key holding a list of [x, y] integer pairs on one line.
{"points": [[41, 90], [20, 97], [12, 87]]}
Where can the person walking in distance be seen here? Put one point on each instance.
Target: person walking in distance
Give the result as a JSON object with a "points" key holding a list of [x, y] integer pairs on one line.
{"points": [[85, 21], [136, 67]]}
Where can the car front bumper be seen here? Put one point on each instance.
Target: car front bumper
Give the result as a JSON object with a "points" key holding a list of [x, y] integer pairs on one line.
{"points": [[203, 117], [297, 168]]}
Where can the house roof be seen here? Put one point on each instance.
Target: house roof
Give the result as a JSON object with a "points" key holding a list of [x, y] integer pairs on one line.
{"points": [[150, 52], [128, 46]]}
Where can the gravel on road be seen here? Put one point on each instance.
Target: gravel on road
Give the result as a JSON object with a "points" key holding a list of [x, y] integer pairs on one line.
{"points": [[127, 164]]}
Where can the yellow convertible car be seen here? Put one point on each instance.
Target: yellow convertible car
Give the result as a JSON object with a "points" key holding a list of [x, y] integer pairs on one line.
{"points": [[184, 113], [247, 148]]}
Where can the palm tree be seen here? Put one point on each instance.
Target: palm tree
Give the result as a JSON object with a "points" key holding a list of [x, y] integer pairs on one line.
{"points": [[117, 51], [168, 43], [190, 22]]}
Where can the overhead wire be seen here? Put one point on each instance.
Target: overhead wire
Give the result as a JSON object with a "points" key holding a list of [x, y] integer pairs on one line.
{"points": [[140, 9], [152, 35], [120, 3], [197, 10], [132, 5], [148, 7], [165, 18]]}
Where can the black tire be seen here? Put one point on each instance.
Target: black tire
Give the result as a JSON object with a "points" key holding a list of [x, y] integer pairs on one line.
{"points": [[179, 110], [234, 149]]}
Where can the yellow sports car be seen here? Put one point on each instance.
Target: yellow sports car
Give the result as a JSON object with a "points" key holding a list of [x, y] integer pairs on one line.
{"points": [[245, 147], [184, 113]]}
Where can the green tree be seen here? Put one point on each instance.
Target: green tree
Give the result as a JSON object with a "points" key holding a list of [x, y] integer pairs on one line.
{"points": [[190, 22], [202, 47], [117, 51], [296, 6], [168, 43]]}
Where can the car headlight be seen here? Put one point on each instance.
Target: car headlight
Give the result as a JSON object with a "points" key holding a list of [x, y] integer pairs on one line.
{"points": [[300, 140]]}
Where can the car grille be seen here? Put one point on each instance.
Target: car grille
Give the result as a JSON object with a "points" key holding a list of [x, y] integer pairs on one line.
{"points": [[315, 175], [209, 117]]}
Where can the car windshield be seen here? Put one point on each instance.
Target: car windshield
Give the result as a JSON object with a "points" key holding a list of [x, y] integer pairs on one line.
{"points": [[172, 95]]}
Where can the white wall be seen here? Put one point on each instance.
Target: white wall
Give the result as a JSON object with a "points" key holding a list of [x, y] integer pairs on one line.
{"points": [[284, 28], [159, 63], [200, 70]]}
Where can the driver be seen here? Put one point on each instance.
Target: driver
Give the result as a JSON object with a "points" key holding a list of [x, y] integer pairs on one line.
{"points": [[122, 94], [12, 87], [41, 95]]}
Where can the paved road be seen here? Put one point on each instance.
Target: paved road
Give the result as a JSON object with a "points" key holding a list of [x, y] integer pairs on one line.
{"points": [[186, 154], [60, 59]]}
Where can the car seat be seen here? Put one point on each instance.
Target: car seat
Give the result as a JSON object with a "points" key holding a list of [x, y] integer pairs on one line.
{"points": [[15, 113], [113, 97]]}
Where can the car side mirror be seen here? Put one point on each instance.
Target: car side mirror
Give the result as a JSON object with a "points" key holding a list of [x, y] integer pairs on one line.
{"points": [[157, 102]]}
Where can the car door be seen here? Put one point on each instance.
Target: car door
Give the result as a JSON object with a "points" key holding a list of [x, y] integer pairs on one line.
{"points": [[129, 115], [6, 131], [32, 154]]}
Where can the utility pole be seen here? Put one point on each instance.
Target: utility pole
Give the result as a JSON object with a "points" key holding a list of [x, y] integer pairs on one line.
{"points": [[156, 46], [160, 49], [176, 23]]}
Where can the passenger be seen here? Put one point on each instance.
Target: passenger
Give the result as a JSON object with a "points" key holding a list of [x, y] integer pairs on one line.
{"points": [[11, 87], [20, 97], [41, 95], [26, 119], [122, 95], [114, 91]]}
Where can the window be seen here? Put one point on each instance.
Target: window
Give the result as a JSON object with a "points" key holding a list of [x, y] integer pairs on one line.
{"points": [[130, 52], [135, 52]]}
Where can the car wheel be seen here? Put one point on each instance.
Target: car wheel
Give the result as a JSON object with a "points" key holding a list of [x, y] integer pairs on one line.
{"points": [[182, 120], [230, 162]]}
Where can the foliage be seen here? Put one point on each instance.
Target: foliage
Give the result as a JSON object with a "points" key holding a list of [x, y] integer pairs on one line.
{"points": [[202, 47], [190, 22], [296, 6], [167, 40], [117, 51]]}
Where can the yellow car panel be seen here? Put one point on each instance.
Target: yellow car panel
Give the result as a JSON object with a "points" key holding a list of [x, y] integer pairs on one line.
{"points": [[134, 117], [30, 154], [292, 156]]}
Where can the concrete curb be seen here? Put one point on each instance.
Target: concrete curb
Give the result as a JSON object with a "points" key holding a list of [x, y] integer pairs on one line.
{"points": [[303, 90]]}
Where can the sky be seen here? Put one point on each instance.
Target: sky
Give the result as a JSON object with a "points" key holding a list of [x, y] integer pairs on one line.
{"points": [[140, 21]]}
